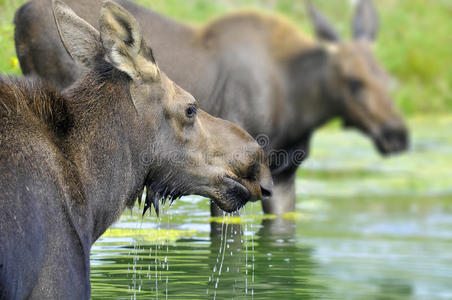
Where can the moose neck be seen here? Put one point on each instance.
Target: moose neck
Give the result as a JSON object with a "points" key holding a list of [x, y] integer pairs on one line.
{"points": [[313, 100], [103, 146]]}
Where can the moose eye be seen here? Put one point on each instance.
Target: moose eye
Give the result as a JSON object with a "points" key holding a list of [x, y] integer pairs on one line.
{"points": [[191, 111], [355, 85]]}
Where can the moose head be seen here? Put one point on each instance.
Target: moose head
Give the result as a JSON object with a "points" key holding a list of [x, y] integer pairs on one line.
{"points": [[359, 83], [179, 148]]}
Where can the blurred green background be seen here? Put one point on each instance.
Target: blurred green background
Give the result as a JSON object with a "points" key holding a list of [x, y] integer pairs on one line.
{"points": [[415, 42]]}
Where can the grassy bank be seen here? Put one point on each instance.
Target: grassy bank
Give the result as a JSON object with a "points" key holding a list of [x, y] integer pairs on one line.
{"points": [[415, 43]]}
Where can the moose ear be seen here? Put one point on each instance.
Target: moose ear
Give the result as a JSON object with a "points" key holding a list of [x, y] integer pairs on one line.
{"points": [[123, 43], [81, 40], [366, 21], [324, 30]]}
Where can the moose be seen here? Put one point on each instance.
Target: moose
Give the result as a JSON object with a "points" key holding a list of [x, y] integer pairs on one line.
{"points": [[254, 69], [72, 161]]}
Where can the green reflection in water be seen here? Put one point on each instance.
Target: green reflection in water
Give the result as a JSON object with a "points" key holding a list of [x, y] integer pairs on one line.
{"points": [[365, 228]]}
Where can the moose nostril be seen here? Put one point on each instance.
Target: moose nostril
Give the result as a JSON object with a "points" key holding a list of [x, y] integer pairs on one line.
{"points": [[266, 192]]}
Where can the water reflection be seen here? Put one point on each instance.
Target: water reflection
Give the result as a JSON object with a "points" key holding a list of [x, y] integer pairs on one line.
{"points": [[277, 256], [228, 276], [283, 265], [238, 262]]}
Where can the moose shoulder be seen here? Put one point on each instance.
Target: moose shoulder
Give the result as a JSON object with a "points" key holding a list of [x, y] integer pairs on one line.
{"points": [[71, 161], [255, 70]]}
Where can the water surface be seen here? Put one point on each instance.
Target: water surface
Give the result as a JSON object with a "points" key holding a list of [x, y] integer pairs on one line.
{"points": [[365, 228]]}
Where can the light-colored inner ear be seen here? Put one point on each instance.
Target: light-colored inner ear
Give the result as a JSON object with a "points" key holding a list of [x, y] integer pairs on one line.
{"points": [[122, 40], [81, 40], [148, 69], [124, 27]]}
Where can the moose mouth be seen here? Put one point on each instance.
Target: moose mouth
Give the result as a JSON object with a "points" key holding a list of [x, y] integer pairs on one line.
{"points": [[231, 195], [234, 195], [388, 140], [238, 191]]}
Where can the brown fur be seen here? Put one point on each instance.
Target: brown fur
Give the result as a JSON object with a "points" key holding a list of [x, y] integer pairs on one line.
{"points": [[284, 39], [43, 101]]}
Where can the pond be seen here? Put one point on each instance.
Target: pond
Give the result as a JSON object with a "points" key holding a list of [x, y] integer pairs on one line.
{"points": [[365, 228]]}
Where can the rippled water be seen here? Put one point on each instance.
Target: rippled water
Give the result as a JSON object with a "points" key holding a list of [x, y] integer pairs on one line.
{"points": [[365, 228]]}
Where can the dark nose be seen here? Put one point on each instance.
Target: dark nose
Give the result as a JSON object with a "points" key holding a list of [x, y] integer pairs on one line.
{"points": [[393, 140], [266, 191], [265, 182]]}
